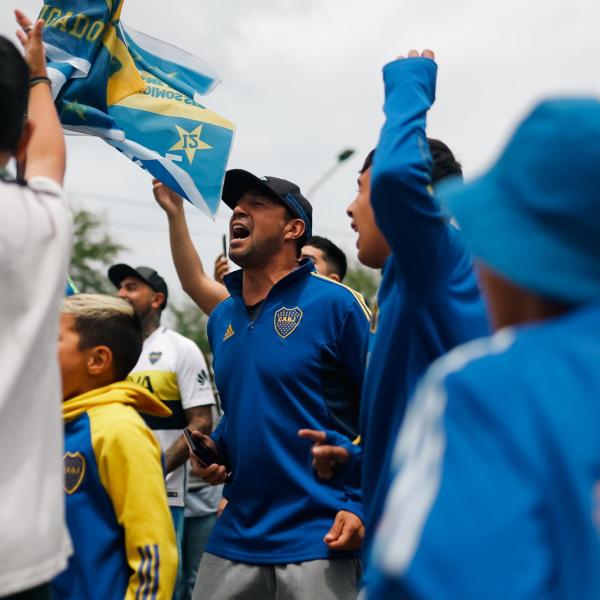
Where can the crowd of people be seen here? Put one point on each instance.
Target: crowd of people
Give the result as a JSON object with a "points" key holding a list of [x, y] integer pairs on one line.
{"points": [[443, 442]]}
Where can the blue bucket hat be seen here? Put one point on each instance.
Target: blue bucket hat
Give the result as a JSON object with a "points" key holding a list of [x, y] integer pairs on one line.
{"points": [[534, 217]]}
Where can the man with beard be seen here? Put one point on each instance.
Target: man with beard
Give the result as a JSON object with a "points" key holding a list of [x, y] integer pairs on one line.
{"points": [[286, 346]]}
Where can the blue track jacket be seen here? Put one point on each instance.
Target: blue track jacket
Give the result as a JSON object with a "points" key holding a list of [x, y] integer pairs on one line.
{"points": [[497, 492], [297, 365], [428, 301], [116, 499]]}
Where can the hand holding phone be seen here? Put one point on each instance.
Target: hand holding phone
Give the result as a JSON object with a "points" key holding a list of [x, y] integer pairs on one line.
{"points": [[202, 451], [205, 460]]}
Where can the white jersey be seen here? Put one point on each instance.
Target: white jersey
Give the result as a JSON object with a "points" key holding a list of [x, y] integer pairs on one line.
{"points": [[35, 246], [172, 367]]}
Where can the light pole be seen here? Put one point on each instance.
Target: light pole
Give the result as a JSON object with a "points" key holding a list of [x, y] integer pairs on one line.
{"points": [[341, 157]]}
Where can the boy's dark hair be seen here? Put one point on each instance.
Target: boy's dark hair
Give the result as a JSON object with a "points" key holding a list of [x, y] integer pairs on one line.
{"points": [[444, 163], [14, 91], [334, 257], [106, 321]]}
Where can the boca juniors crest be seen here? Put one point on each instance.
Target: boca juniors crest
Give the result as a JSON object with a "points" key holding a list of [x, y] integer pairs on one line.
{"points": [[154, 357], [286, 320], [74, 468]]}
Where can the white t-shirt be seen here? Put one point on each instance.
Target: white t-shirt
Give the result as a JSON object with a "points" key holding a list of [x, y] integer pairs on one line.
{"points": [[172, 367], [35, 247]]}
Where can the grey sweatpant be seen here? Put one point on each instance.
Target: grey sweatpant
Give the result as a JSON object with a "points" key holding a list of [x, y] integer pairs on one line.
{"points": [[221, 579]]}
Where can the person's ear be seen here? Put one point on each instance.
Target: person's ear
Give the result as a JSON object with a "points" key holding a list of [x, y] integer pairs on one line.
{"points": [[335, 277], [99, 360], [294, 230], [157, 300], [21, 150]]}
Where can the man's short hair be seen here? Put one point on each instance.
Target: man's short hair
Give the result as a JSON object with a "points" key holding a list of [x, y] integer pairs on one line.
{"points": [[444, 162], [14, 91], [106, 321], [334, 257]]}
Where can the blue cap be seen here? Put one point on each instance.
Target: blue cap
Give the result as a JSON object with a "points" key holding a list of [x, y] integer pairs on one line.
{"points": [[534, 217]]}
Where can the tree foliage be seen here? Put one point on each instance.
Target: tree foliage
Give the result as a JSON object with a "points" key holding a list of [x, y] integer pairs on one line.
{"points": [[190, 322], [363, 280], [94, 251]]}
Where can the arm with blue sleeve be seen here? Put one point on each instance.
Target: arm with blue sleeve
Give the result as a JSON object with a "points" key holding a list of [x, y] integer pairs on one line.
{"points": [[130, 468], [405, 209], [464, 514], [351, 341]]}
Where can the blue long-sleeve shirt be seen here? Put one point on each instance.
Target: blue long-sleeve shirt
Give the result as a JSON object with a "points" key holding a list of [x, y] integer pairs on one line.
{"points": [[497, 486], [428, 301], [297, 364]]}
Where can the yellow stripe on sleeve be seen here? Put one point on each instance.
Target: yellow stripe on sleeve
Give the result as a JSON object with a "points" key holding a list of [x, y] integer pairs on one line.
{"points": [[358, 297]]}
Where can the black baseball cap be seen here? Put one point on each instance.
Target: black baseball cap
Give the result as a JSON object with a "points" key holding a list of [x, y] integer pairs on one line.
{"points": [[238, 181], [119, 272]]}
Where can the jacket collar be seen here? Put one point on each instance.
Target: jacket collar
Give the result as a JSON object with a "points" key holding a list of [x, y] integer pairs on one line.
{"points": [[233, 281]]}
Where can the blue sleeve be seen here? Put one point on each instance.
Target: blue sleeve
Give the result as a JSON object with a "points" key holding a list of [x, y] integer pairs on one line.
{"points": [[349, 473], [405, 209], [464, 516], [351, 341], [219, 437]]}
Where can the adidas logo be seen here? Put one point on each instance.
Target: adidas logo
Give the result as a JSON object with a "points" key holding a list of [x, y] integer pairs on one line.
{"points": [[229, 333]]}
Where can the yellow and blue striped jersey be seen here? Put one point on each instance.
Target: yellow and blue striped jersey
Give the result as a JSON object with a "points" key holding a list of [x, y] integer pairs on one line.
{"points": [[172, 367]]}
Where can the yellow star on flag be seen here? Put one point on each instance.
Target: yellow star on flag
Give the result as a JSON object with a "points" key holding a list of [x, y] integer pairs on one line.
{"points": [[78, 109], [190, 142]]}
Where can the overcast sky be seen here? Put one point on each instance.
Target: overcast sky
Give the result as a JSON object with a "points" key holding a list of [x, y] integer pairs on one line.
{"points": [[302, 81]]}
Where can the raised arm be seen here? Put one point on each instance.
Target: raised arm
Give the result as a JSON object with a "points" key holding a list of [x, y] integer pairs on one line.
{"points": [[404, 206], [203, 290], [45, 155]]}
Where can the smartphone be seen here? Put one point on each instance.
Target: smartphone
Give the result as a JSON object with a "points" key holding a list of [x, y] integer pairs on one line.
{"points": [[225, 245], [205, 454]]}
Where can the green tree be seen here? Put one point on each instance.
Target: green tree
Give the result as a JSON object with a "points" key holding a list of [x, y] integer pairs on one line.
{"points": [[93, 251], [190, 321], [363, 280]]}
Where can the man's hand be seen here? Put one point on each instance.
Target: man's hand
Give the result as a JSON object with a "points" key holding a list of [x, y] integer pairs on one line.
{"points": [[347, 532], [221, 268], [325, 457], [415, 54], [30, 36], [214, 474], [170, 201]]}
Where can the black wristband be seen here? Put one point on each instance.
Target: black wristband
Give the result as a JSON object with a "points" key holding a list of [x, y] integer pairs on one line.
{"points": [[35, 80]]}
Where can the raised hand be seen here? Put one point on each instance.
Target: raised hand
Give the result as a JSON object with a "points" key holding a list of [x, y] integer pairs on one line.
{"points": [[30, 36], [415, 54], [171, 202]]}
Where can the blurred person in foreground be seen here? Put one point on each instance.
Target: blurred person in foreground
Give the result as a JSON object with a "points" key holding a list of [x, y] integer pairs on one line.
{"points": [[35, 245], [428, 301], [116, 499], [496, 492]]}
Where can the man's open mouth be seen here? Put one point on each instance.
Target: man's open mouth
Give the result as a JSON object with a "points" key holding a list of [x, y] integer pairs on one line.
{"points": [[239, 231]]}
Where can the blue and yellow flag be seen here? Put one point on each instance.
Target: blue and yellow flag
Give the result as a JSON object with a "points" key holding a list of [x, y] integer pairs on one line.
{"points": [[139, 94]]}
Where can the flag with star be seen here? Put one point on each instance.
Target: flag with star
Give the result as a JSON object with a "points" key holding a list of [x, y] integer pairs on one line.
{"points": [[139, 94]]}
